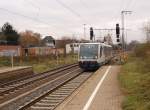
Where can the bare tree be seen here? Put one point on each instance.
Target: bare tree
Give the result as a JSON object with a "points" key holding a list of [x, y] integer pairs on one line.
{"points": [[64, 40], [28, 38], [132, 45]]}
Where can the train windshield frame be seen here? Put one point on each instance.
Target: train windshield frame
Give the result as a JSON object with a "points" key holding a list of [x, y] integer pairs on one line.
{"points": [[88, 51]]}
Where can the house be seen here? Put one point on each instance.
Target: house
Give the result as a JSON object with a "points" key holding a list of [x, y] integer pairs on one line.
{"points": [[72, 48], [49, 41]]}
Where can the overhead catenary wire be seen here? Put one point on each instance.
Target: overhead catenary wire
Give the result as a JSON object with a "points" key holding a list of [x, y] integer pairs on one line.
{"points": [[68, 8], [27, 17], [75, 13], [124, 6], [129, 4], [32, 4], [35, 6], [83, 4], [71, 10]]}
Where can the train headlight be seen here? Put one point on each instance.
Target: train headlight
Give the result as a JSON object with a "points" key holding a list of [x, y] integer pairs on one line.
{"points": [[84, 57], [95, 57]]}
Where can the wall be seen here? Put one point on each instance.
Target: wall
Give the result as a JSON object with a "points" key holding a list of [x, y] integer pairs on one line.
{"points": [[9, 50]]}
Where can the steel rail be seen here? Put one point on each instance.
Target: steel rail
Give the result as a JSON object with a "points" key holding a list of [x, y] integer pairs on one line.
{"points": [[32, 80], [35, 75], [45, 88]]}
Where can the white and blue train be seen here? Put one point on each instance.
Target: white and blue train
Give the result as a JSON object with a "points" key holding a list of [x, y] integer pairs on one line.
{"points": [[92, 55]]}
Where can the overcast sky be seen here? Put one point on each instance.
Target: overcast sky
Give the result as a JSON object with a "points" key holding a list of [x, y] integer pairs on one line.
{"points": [[66, 17]]}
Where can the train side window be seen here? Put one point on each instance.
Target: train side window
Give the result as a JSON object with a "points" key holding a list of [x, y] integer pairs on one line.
{"points": [[71, 45]]}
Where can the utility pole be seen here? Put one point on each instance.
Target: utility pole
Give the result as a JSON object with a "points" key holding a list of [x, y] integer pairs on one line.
{"points": [[84, 31], [12, 59], [123, 28]]}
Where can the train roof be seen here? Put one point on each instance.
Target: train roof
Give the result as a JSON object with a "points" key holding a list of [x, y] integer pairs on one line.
{"points": [[97, 43]]}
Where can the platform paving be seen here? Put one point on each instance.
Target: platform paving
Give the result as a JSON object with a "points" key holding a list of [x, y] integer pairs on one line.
{"points": [[108, 96], [7, 69]]}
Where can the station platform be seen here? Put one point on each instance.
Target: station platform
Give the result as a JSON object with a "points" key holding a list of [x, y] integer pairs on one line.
{"points": [[8, 73], [7, 69], [99, 92]]}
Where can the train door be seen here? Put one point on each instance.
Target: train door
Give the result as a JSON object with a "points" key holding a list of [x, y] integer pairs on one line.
{"points": [[101, 53]]}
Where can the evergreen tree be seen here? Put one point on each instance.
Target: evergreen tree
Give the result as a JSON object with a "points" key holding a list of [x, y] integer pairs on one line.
{"points": [[11, 35]]}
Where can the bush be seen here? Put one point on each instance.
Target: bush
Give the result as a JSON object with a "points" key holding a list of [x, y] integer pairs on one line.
{"points": [[5, 61], [135, 79], [143, 50]]}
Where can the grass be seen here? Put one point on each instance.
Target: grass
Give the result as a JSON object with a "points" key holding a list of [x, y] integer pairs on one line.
{"points": [[135, 82], [40, 64], [50, 64]]}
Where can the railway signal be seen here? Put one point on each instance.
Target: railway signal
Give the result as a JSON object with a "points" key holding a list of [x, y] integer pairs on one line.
{"points": [[91, 33], [118, 33]]}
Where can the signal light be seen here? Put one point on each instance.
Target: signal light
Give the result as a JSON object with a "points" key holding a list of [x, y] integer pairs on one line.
{"points": [[117, 29], [118, 33], [118, 40], [91, 33], [120, 44]]}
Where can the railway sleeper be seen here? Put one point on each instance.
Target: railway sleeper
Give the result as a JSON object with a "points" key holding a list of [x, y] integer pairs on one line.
{"points": [[54, 97], [65, 87], [45, 104], [50, 101], [60, 93], [40, 108], [65, 91]]}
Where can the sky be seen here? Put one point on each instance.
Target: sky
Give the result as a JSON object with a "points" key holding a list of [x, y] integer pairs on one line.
{"points": [[66, 17]]}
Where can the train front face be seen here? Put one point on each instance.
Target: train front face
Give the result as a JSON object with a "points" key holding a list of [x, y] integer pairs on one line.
{"points": [[88, 56]]}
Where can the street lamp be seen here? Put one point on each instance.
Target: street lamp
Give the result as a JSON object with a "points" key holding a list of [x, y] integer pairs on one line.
{"points": [[84, 31], [123, 28]]}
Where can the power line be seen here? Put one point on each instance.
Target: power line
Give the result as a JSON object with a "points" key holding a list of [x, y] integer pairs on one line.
{"points": [[24, 16], [129, 4], [32, 4], [28, 17], [66, 7], [62, 4], [82, 2], [35, 6], [70, 9], [119, 10]]}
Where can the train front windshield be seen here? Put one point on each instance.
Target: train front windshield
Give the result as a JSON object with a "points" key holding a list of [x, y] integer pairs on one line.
{"points": [[88, 51]]}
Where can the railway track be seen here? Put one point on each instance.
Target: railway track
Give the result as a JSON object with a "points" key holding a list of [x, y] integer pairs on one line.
{"points": [[35, 75], [17, 87], [42, 92], [28, 97], [52, 99]]}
